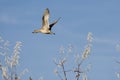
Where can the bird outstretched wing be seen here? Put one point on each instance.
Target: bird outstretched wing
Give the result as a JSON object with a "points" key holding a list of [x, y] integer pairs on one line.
{"points": [[52, 24], [45, 18]]}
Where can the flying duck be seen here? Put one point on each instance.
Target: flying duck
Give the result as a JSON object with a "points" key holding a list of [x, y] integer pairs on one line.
{"points": [[46, 27]]}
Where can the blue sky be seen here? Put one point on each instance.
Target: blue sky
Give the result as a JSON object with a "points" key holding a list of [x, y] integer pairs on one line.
{"points": [[78, 17]]}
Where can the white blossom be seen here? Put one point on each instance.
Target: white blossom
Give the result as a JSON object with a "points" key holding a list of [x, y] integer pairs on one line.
{"points": [[23, 72], [62, 61], [90, 37], [88, 67], [41, 78], [77, 58], [56, 71], [15, 57], [70, 47], [118, 75], [4, 73], [62, 50], [86, 52], [84, 77]]}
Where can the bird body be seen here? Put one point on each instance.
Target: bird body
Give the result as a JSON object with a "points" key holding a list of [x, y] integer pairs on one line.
{"points": [[46, 27]]}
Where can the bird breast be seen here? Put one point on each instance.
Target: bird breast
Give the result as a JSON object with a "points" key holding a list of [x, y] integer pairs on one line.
{"points": [[45, 30]]}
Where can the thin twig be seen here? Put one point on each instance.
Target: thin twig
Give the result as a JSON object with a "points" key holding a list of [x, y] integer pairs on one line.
{"points": [[60, 76], [77, 71], [64, 72]]}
